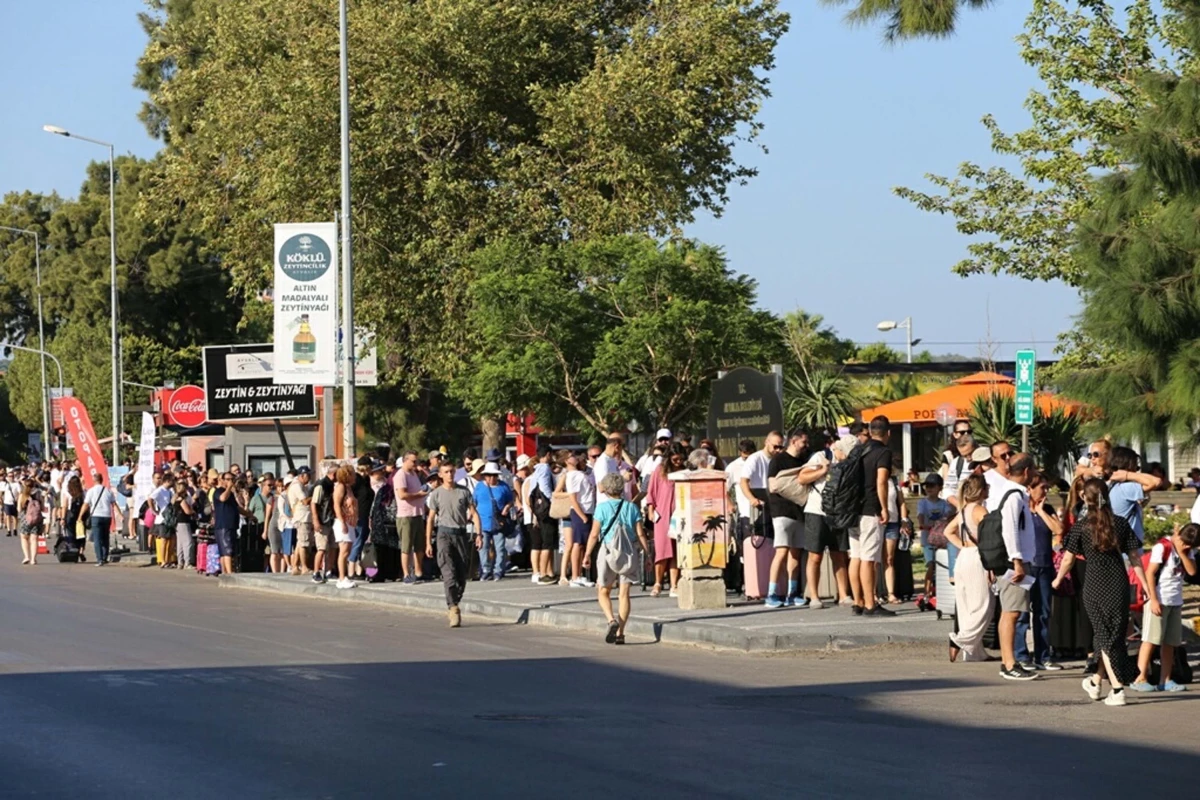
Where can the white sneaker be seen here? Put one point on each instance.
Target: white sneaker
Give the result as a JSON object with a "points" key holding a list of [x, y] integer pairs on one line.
{"points": [[536, 577], [1092, 688], [346, 583], [674, 593], [577, 583], [1115, 698], [587, 584]]}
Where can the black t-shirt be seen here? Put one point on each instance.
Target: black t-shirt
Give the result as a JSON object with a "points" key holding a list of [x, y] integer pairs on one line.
{"points": [[877, 456], [365, 496], [781, 506]]}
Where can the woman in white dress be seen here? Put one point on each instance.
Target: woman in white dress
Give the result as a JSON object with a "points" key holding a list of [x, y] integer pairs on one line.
{"points": [[972, 583]]}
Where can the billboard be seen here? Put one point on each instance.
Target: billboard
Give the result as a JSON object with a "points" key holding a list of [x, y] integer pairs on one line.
{"points": [[239, 385], [305, 297]]}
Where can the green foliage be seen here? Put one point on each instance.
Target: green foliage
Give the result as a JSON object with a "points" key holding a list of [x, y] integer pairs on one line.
{"points": [[472, 121], [608, 331], [876, 353], [1053, 438], [812, 343], [1140, 249], [1157, 527], [819, 399], [908, 19], [1024, 219]]}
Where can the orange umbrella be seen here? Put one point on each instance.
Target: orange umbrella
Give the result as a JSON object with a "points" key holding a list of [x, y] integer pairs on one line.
{"points": [[954, 401]]}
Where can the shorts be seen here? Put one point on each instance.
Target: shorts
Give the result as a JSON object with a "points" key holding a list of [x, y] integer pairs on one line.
{"points": [[224, 537], [605, 577], [322, 534], [340, 534], [412, 534], [819, 535], [580, 528], [10, 510], [1165, 630], [866, 541], [1012, 597], [788, 532], [891, 532], [928, 552], [543, 535], [287, 541], [304, 535]]}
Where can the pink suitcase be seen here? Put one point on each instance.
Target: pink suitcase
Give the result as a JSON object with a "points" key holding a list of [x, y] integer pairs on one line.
{"points": [[756, 561], [201, 555]]}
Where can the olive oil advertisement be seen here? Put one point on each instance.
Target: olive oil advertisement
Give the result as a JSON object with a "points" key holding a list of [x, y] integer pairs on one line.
{"points": [[305, 297]]}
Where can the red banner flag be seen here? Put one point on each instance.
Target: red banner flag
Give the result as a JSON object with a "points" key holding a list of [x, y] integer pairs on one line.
{"points": [[83, 436]]}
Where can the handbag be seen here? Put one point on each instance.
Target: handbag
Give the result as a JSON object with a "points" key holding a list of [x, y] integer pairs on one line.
{"points": [[937, 535], [1066, 587], [560, 506], [786, 486], [619, 556]]}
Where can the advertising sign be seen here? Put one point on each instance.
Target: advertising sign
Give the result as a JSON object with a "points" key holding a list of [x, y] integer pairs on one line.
{"points": [[143, 479], [366, 359], [186, 408], [83, 437], [239, 385], [306, 313]]}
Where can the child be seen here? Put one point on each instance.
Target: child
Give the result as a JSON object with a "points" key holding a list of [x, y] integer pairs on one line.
{"points": [[1162, 620], [932, 512]]}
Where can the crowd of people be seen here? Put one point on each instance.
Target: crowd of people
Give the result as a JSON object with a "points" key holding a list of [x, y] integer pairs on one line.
{"points": [[598, 518]]}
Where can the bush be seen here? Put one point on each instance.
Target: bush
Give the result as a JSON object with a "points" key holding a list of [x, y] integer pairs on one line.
{"points": [[1157, 527]]}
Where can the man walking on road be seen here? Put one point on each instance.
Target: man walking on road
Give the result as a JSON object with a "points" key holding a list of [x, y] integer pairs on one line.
{"points": [[98, 504], [866, 544], [451, 508], [1009, 495]]}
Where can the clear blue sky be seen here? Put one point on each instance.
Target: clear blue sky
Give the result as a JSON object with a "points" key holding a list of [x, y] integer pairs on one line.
{"points": [[849, 119]]}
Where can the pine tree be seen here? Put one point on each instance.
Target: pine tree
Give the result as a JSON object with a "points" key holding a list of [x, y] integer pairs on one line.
{"points": [[1140, 249]]}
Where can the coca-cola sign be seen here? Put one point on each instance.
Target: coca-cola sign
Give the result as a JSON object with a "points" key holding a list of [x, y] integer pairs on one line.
{"points": [[186, 407]]}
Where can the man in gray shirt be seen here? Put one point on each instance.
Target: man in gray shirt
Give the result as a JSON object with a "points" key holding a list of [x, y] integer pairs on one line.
{"points": [[451, 507]]}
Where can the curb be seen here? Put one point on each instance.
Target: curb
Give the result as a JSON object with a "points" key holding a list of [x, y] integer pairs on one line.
{"points": [[680, 632]]}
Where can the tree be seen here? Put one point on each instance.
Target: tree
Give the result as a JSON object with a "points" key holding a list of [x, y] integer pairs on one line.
{"points": [[599, 333], [1140, 248], [909, 19], [875, 353], [1025, 218], [1053, 437], [816, 395], [472, 122]]}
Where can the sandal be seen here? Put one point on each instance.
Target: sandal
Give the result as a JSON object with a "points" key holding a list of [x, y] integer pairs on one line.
{"points": [[611, 636], [954, 651], [656, 591], [894, 601]]}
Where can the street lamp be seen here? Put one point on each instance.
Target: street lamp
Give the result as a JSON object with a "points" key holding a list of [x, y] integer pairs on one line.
{"points": [[37, 260], [891, 325], [112, 252]]}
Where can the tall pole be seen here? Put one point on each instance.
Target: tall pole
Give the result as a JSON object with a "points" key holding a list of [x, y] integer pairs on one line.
{"points": [[112, 274], [908, 327], [37, 261], [347, 260]]}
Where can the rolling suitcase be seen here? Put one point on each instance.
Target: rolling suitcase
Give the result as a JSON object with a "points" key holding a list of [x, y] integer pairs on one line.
{"points": [[757, 554], [65, 550], [943, 588], [903, 581], [212, 560]]}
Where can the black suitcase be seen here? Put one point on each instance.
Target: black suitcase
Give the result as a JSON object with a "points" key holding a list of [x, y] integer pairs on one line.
{"points": [[905, 588], [251, 550], [65, 550]]}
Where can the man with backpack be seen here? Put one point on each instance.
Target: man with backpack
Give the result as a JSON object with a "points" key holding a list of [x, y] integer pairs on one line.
{"points": [[866, 541], [322, 518], [1007, 544], [543, 536]]}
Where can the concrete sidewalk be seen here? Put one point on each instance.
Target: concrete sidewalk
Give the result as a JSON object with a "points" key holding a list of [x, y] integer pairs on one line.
{"points": [[747, 627]]}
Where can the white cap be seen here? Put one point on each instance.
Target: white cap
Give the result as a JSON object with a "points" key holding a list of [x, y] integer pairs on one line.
{"points": [[491, 468], [663, 433]]}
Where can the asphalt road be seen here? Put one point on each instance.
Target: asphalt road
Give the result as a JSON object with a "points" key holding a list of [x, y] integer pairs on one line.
{"points": [[130, 683]]}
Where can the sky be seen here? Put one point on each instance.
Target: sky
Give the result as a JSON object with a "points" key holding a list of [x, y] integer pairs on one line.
{"points": [[849, 118]]}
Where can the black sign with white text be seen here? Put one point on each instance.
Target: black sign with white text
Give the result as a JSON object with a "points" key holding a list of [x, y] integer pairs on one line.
{"points": [[238, 386]]}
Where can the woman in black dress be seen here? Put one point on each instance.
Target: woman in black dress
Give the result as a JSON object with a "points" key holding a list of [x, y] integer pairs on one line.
{"points": [[1102, 539]]}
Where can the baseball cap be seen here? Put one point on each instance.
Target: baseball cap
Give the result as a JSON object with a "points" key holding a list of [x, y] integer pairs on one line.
{"points": [[303, 471], [981, 455], [933, 479], [663, 433]]}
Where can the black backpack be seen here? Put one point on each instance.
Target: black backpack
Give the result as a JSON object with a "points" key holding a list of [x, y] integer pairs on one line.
{"points": [[325, 514], [842, 498], [170, 517], [993, 552], [539, 504]]}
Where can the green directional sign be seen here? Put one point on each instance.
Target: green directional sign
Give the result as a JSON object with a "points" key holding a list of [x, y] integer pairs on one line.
{"points": [[1026, 364]]}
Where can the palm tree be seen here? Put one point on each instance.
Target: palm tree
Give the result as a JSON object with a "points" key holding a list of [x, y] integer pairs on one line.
{"points": [[993, 418], [1053, 438], [818, 399], [908, 19]]}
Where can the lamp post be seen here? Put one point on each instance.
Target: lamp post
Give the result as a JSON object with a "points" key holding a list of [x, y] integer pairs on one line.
{"points": [[112, 252], [37, 261], [348, 343], [891, 325]]}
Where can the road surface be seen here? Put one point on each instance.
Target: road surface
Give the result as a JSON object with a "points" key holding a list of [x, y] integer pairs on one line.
{"points": [[145, 683]]}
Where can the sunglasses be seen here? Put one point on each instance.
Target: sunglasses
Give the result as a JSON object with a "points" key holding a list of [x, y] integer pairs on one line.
{"points": [[962, 431], [1095, 455], [1005, 456], [776, 447]]}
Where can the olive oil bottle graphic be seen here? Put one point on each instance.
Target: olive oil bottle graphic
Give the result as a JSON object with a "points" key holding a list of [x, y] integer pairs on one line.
{"points": [[304, 346]]}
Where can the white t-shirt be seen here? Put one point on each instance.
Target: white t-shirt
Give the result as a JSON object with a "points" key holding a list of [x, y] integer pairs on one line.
{"points": [[648, 463], [11, 490], [755, 469], [99, 501], [604, 465], [893, 502], [527, 509], [1170, 576], [813, 504], [578, 483], [733, 476], [956, 473]]}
